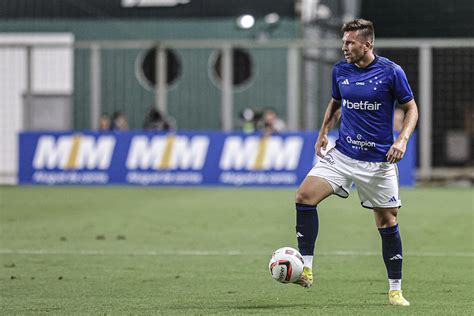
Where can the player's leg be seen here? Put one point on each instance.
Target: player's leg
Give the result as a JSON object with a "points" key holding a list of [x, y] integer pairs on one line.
{"points": [[381, 194], [330, 175], [311, 191], [386, 221]]}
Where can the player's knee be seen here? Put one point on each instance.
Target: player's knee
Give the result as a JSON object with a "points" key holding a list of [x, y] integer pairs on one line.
{"points": [[387, 223], [303, 197], [386, 218]]}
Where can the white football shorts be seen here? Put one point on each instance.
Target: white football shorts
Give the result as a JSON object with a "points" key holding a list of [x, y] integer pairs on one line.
{"points": [[376, 182]]}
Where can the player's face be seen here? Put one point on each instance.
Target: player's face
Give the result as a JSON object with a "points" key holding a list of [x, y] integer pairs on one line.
{"points": [[354, 47]]}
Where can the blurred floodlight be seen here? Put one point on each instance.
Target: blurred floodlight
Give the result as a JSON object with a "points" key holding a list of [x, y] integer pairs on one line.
{"points": [[245, 21], [272, 18], [152, 3], [308, 10], [323, 12]]}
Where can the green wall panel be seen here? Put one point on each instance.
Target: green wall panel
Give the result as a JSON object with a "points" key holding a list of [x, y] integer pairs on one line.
{"points": [[267, 88], [121, 90], [82, 89], [194, 100]]}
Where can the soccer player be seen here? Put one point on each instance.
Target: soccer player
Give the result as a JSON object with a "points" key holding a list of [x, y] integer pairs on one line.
{"points": [[365, 88]]}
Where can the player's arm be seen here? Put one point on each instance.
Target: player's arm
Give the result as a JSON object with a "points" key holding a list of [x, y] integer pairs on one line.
{"points": [[332, 115], [396, 152]]}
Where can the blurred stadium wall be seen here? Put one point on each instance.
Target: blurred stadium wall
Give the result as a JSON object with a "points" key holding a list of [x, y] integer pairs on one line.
{"points": [[103, 60]]}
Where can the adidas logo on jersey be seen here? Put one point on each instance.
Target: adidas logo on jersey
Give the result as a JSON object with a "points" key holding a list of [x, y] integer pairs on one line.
{"points": [[392, 199], [345, 81]]}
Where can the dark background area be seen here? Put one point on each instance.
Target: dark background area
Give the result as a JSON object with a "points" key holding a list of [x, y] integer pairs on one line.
{"points": [[425, 18], [114, 9], [401, 18]]}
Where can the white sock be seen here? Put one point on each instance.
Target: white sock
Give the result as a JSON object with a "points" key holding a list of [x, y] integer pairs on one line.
{"points": [[308, 261], [395, 284]]}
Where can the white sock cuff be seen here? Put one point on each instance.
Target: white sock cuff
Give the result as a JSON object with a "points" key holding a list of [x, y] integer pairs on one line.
{"points": [[308, 261], [395, 284]]}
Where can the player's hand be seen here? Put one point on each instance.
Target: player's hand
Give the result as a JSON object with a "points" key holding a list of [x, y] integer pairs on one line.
{"points": [[396, 152], [321, 142]]}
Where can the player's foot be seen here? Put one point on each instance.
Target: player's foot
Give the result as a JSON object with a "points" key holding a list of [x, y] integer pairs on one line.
{"points": [[306, 278], [396, 298]]}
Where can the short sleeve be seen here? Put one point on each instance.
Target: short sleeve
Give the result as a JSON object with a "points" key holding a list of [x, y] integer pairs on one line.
{"points": [[401, 87], [336, 93]]}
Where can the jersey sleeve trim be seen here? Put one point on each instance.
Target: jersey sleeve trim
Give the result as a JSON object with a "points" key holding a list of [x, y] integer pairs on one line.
{"points": [[405, 100]]}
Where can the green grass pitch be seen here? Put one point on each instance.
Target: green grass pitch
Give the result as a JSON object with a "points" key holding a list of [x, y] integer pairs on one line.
{"points": [[123, 250]]}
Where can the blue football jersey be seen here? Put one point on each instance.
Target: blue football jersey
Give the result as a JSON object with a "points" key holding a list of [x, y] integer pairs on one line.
{"points": [[368, 96]]}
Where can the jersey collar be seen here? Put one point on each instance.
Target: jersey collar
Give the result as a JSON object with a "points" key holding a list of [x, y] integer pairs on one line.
{"points": [[376, 58]]}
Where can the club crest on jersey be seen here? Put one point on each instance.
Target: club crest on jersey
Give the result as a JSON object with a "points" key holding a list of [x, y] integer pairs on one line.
{"points": [[361, 105]]}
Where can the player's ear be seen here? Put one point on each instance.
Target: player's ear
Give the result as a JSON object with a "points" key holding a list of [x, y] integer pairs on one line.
{"points": [[369, 45], [372, 44]]}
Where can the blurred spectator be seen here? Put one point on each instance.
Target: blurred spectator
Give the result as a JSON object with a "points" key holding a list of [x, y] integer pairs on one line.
{"points": [[272, 123], [119, 121], [249, 118], [104, 122], [398, 118], [155, 120]]}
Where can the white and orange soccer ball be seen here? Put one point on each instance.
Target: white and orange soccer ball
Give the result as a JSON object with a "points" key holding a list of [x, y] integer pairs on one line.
{"points": [[286, 265]]}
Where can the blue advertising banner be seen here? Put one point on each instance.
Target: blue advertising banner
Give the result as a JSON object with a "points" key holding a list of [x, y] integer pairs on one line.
{"points": [[183, 158]]}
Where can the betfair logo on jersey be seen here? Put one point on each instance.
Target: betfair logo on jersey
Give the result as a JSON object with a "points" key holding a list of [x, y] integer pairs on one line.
{"points": [[261, 153], [74, 152], [361, 105], [167, 152]]}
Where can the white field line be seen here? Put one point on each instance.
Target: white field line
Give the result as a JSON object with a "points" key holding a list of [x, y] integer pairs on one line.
{"points": [[48, 252]]}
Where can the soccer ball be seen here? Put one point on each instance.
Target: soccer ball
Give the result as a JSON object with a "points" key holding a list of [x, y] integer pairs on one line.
{"points": [[286, 265]]}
